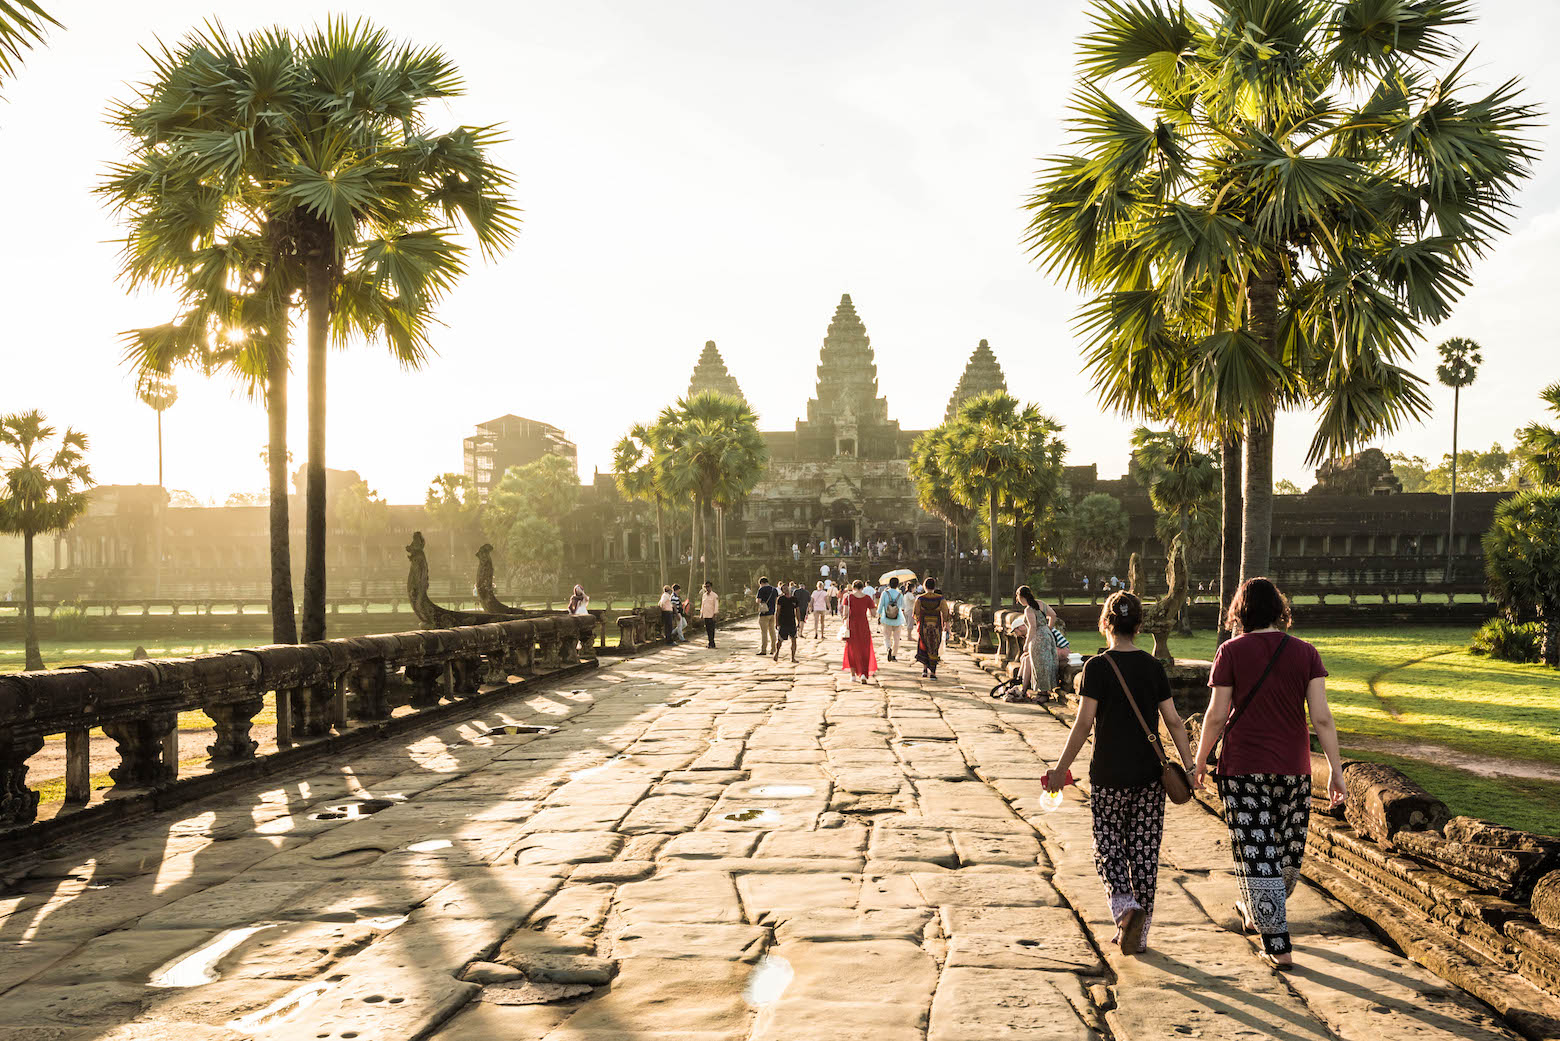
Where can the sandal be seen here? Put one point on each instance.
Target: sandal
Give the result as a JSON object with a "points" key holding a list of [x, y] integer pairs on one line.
{"points": [[1246, 926], [1273, 963], [1132, 930]]}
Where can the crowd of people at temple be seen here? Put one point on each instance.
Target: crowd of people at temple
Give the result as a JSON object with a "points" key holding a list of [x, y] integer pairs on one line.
{"points": [[1264, 680]]}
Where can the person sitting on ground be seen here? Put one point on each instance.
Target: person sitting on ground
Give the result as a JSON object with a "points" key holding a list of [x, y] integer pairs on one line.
{"points": [[1126, 792], [709, 610], [1264, 681]]}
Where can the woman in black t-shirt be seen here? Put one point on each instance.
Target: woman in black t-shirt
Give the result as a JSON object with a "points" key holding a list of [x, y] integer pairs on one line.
{"points": [[1125, 793]]}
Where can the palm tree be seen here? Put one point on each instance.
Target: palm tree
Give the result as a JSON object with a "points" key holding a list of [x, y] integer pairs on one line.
{"points": [[1183, 484], [636, 461], [45, 491], [304, 171], [22, 25], [361, 512], [1541, 445], [1306, 192], [997, 448], [713, 453], [158, 392], [934, 487], [453, 504], [1460, 361]]}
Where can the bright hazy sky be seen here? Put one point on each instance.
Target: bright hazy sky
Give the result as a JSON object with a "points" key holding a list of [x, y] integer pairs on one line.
{"points": [[689, 171]]}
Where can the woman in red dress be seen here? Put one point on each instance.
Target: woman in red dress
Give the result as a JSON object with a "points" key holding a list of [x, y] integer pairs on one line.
{"points": [[860, 658]]}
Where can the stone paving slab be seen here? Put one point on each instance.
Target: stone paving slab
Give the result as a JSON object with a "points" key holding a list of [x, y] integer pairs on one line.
{"points": [[711, 847]]}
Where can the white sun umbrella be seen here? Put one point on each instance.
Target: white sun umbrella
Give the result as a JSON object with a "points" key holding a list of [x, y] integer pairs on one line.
{"points": [[903, 574]]}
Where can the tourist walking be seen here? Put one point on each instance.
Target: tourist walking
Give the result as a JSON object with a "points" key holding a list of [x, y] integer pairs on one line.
{"points": [[679, 613], [766, 596], [801, 597], [668, 624], [1037, 664], [709, 610], [786, 622], [834, 596], [930, 619], [579, 601], [818, 608], [1122, 690], [891, 616], [860, 657], [1264, 680]]}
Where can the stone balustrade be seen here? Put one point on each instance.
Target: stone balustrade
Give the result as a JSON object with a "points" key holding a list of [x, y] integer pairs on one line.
{"points": [[317, 688]]}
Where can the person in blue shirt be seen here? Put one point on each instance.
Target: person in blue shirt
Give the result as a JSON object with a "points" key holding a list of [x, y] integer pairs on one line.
{"points": [[891, 615], [766, 597]]}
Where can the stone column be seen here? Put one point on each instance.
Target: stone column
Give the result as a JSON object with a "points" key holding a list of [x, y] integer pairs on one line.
{"points": [[369, 682]]}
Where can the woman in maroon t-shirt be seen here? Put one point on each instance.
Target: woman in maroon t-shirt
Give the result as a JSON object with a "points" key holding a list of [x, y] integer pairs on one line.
{"points": [[1263, 682]]}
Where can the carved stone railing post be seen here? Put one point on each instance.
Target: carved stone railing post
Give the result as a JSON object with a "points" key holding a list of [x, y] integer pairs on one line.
{"points": [[78, 766], [18, 803], [628, 633], [232, 721], [369, 682], [425, 684], [144, 750]]}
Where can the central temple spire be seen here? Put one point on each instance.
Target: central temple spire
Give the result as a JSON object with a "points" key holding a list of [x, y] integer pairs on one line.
{"points": [[847, 372]]}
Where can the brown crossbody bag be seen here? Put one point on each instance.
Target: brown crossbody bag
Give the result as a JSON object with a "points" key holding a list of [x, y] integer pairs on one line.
{"points": [[1171, 774]]}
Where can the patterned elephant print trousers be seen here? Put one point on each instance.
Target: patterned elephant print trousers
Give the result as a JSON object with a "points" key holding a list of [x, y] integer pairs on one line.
{"points": [[1128, 825], [1268, 815]]}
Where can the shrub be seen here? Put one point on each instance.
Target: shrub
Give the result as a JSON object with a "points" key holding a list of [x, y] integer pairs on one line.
{"points": [[1507, 640], [70, 621], [1522, 563]]}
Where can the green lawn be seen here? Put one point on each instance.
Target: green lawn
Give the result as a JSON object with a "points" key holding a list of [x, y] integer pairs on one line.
{"points": [[1444, 696], [59, 654]]}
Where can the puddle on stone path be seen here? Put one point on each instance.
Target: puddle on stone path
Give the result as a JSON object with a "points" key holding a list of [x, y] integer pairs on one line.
{"points": [[199, 966], [783, 791], [429, 845], [351, 811], [757, 815], [768, 980], [281, 1010], [512, 729], [591, 771]]}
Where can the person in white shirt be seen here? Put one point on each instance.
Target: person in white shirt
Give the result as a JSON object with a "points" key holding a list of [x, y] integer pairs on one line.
{"points": [[891, 615], [709, 608], [817, 608], [668, 623]]}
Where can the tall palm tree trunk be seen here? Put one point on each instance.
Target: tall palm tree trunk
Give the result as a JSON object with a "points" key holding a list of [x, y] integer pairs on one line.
{"points": [[314, 495], [1451, 506], [34, 656], [284, 623], [160, 454], [1231, 476], [660, 540], [720, 539], [991, 543], [1257, 523]]}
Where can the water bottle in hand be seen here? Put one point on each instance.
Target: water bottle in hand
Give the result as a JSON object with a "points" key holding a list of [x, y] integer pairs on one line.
{"points": [[1050, 800]]}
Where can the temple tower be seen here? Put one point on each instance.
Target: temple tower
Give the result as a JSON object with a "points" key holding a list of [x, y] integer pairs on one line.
{"points": [[709, 373], [981, 376]]}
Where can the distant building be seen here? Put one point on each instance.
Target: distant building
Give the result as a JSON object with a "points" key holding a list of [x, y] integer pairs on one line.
{"points": [[509, 441]]}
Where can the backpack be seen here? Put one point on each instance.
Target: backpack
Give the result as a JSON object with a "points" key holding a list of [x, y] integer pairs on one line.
{"points": [[891, 610]]}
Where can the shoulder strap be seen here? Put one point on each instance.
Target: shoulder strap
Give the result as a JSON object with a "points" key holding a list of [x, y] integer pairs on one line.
{"points": [[1252, 696], [1152, 735]]}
